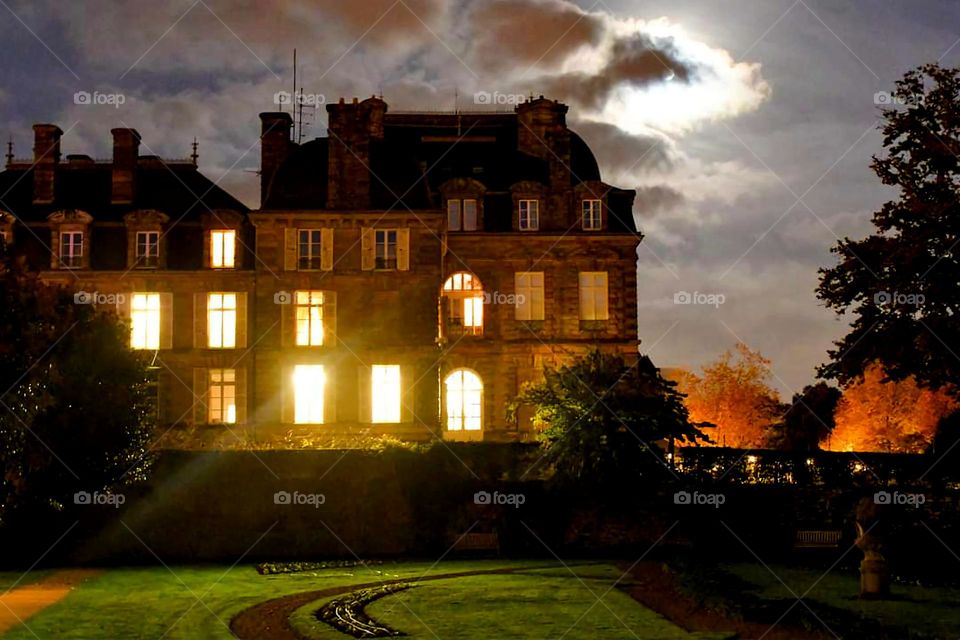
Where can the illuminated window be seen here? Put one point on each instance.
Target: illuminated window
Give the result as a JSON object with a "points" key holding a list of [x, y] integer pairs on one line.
{"points": [[222, 320], [385, 393], [145, 321], [386, 241], [222, 396], [71, 248], [529, 296], [593, 295], [463, 293], [464, 401], [309, 381], [529, 215], [223, 249], [148, 249], [590, 210], [308, 306], [462, 215], [309, 243]]}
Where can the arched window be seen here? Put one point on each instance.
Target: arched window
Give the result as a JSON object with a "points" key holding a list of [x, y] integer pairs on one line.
{"points": [[464, 392], [463, 297]]}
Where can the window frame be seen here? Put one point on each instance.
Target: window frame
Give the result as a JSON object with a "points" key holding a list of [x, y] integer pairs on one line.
{"points": [[594, 214], [223, 384], [378, 393], [313, 260], [314, 397], [219, 237], [461, 213], [385, 263], [532, 222], [594, 288], [146, 320], [524, 286], [223, 316], [145, 260], [312, 301], [74, 258]]}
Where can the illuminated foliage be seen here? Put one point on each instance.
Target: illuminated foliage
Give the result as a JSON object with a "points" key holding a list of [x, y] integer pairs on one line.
{"points": [[879, 415], [733, 393]]}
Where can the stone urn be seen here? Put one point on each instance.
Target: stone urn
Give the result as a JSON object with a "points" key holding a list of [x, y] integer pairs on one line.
{"points": [[874, 572]]}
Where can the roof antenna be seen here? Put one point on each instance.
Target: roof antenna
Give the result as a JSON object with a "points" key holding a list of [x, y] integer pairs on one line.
{"points": [[293, 107], [10, 151], [194, 155]]}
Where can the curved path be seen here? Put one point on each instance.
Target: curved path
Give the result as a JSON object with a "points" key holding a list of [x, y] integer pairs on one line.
{"points": [[271, 619]]}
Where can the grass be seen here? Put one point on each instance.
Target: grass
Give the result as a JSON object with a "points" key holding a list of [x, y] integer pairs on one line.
{"points": [[930, 611], [157, 602]]}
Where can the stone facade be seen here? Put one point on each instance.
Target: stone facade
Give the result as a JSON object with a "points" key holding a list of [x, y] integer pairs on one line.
{"points": [[406, 233]]}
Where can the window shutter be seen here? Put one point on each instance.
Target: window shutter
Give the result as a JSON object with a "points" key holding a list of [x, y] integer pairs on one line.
{"points": [[326, 249], [241, 394], [329, 397], [201, 380], [287, 396], [364, 397], [289, 249], [288, 321], [536, 293], [241, 320], [521, 310], [403, 249], [200, 321], [166, 320], [368, 249], [469, 215], [329, 318], [407, 395], [602, 299], [453, 215], [586, 297]]}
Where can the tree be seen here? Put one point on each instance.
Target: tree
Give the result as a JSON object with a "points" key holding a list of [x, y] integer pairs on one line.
{"points": [[903, 282], [733, 393], [76, 415], [807, 421], [603, 420], [877, 414]]}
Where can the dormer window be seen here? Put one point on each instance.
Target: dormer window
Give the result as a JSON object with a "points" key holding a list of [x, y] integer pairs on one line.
{"points": [[148, 249], [386, 248], [223, 245], [71, 249], [590, 214], [529, 215], [462, 214]]}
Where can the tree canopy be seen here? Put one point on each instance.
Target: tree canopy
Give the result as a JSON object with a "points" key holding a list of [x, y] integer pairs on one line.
{"points": [[603, 420], [902, 283]]}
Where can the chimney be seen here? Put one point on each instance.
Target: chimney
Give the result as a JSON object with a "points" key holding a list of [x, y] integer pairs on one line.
{"points": [[46, 155], [126, 151], [351, 128], [274, 148]]}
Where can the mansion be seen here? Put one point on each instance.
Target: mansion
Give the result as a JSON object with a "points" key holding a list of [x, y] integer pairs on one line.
{"points": [[404, 275]]}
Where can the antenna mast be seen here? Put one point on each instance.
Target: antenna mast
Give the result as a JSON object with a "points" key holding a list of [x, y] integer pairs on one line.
{"points": [[293, 107]]}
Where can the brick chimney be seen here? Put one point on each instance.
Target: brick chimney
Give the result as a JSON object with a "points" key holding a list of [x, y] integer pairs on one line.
{"points": [[542, 132], [46, 156], [275, 146], [126, 151], [351, 128]]}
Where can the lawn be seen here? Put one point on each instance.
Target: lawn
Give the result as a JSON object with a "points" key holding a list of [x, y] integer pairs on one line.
{"points": [[928, 610], [157, 602]]}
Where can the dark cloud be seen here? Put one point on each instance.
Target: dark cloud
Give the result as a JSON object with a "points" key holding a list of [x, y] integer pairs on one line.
{"points": [[656, 199], [509, 33], [622, 155], [636, 61]]}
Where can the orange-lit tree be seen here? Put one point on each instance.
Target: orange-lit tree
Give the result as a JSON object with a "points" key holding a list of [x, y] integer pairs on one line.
{"points": [[733, 393], [876, 414]]}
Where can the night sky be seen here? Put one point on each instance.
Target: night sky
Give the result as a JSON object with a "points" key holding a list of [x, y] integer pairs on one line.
{"points": [[747, 127]]}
